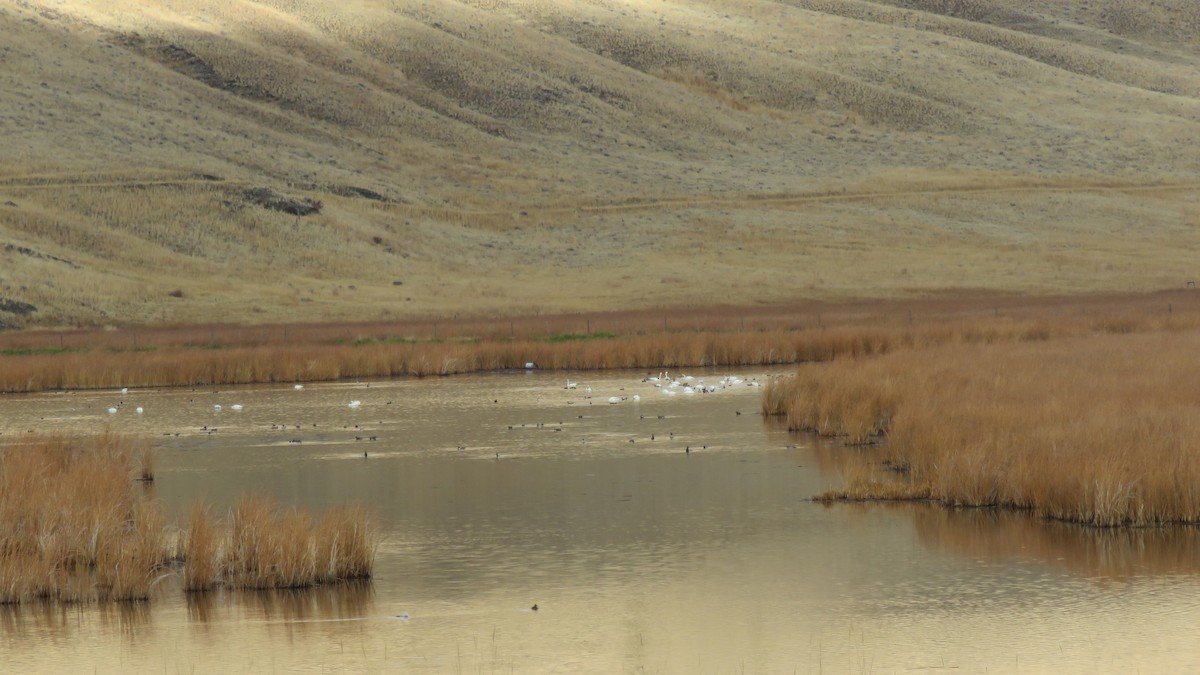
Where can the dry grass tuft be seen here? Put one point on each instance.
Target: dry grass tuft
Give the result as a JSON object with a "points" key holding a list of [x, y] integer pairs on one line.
{"points": [[273, 547], [200, 550], [251, 555], [345, 544]]}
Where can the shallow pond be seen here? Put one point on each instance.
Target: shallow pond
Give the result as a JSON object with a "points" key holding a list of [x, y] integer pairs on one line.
{"points": [[497, 492]]}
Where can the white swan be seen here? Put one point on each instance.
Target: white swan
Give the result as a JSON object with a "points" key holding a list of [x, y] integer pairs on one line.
{"points": [[297, 387], [236, 406], [614, 399], [139, 410], [355, 404], [217, 408], [112, 411]]}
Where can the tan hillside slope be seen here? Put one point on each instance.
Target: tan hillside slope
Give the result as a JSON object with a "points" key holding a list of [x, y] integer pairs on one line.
{"points": [[304, 160]]}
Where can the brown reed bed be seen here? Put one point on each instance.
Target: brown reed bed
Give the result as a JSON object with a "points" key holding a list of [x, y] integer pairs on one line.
{"points": [[266, 546], [76, 528], [73, 528], [1098, 429], [782, 334]]}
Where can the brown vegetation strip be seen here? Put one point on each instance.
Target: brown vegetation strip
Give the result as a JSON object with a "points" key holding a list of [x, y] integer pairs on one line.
{"points": [[1099, 429], [180, 366], [75, 527], [716, 336]]}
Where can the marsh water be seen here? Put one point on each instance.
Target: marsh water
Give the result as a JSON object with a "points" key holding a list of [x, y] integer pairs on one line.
{"points": [[669, 534]]}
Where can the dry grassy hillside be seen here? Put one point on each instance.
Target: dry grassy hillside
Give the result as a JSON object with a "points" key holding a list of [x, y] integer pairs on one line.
{"points": [[161, 159]]}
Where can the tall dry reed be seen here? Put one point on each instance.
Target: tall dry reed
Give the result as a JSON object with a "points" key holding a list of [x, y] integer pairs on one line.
{"points": [[345, 544], [200, 550], [1099, 429], [274, 547], [73, 527]]}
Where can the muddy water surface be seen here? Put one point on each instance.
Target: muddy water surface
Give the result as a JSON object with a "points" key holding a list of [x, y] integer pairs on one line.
{"points": [[494, 493]]}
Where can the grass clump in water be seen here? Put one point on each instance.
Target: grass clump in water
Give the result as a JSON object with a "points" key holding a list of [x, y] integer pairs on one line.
{"points": [[266, 545], [73, 526], [76, 528]]}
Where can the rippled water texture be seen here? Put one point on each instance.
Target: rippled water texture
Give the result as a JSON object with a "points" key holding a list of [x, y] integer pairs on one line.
{"points": [[641, 556]]}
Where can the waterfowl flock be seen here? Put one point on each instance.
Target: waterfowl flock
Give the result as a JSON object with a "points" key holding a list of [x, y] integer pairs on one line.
{"points": [[686, 385], [663, 382], [219, 408]]}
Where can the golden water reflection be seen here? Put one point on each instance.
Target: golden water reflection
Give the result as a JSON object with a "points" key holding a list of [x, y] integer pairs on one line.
{"points": [[1113, 554], [345, 601], [666, 535]]}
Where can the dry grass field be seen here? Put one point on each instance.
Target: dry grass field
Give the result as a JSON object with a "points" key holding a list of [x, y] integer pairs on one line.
{"points": [[799, 332], [269, 162]]}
